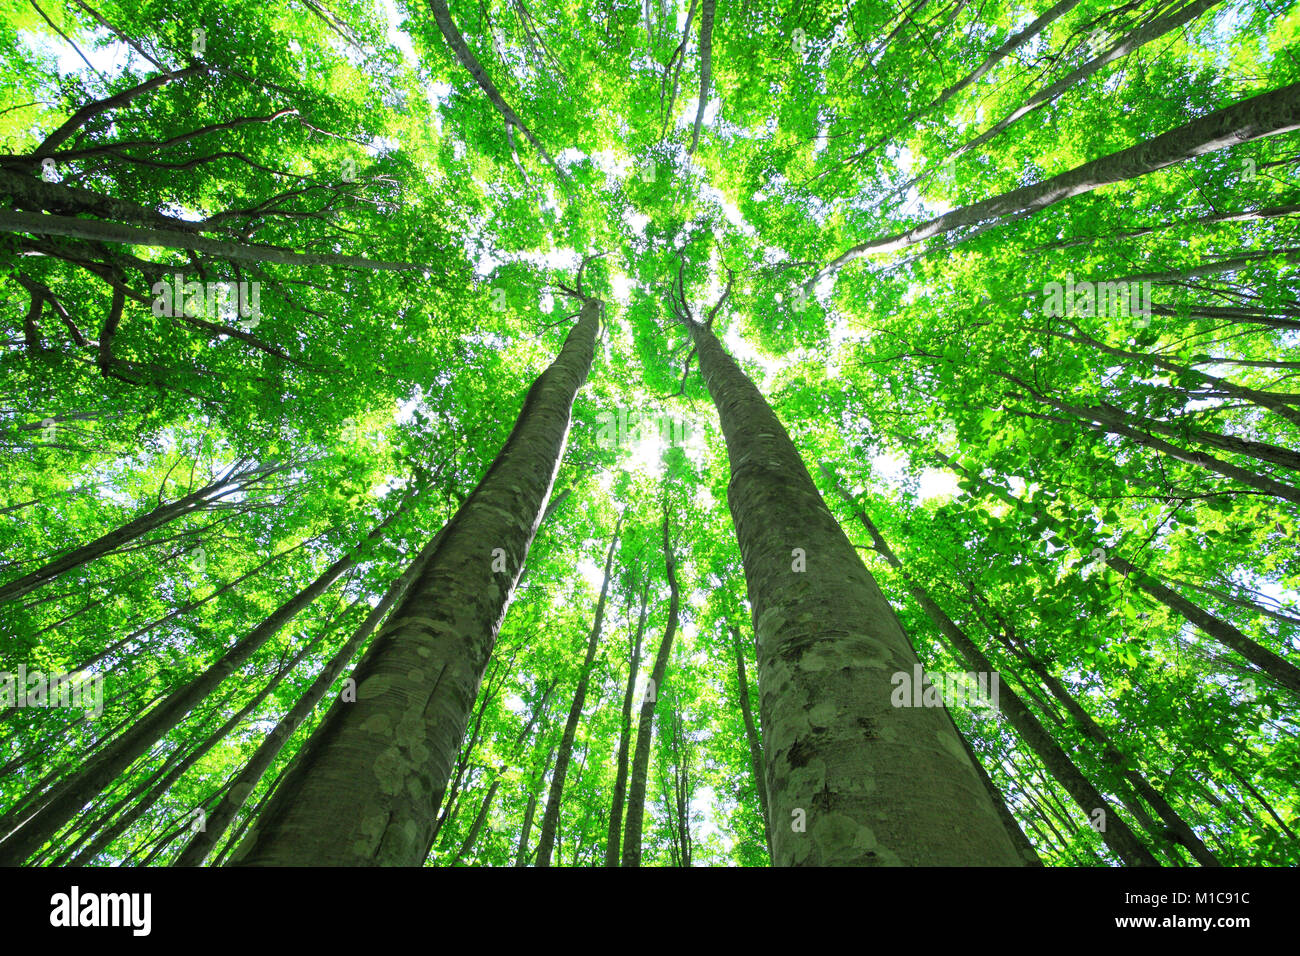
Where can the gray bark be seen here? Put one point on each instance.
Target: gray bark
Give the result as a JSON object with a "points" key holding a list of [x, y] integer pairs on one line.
{"points": [[613, 840], [20, 838], [752, 737], [871, 784], [551, 818], [636, 788], [366, 789], [1117, 835], [1268, 114]]}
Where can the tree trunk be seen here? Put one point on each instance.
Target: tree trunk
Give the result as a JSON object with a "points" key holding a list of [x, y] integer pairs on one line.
{"points": [[466, 58], [851, 780], [1268, 114], [1177, 825], [706, 69], [63, 802], [546, 843], [98, 231], [472, 837], [1012, 44], [682, 789], [613, 840], [1117, 834], [525, 831], [1280, 403], [751, 735], [645, 726], [106, 544], [123, 822], [1278, 668], [1152, 30], [239, 790], [367, 787]]}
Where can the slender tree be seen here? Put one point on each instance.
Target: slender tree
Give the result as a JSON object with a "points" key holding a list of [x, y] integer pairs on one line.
{"points": [[551, 818]]}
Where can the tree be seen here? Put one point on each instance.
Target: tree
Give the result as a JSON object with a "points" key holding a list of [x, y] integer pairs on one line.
{"points": [[340, 339]]}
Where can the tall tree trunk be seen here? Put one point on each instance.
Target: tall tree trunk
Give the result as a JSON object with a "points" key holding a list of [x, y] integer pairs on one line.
{"points": [[123, 822], [1268, 114], [479, 819], [450, 800], [1023, 846], [682, 789], [451, 33], [1280, 403], [613, 840], [1176, 824], [1151, 30], [751, 735], [1138, 430], [1012, 44], [851, 780], [98, 231], [530, 812], [1117, 834], [227, 484], [581, 840], [645, 726], [546, 842], [1286, 674], [1268, 807], [366, 790], [246, 781], [706, 70], [19, 838]]}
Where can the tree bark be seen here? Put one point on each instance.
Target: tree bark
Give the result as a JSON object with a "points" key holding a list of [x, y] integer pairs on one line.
{"points": [[751, 735], [613, 841], [242, 786], [706, 69], [466, 57], [366, 789], [1117, 835], [1278, 668], [530, 812], [645, 726], [123, 822], [105, 544], [1184, 833], [1280, 403], [98, 231], [19, 839], [1268, 114], [479, 819], [870, 784], [1115, 424], [1152, 30], [551, 818]]}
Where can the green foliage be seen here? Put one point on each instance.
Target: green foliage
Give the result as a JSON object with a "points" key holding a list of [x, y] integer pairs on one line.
{"points": [[329, 130]]}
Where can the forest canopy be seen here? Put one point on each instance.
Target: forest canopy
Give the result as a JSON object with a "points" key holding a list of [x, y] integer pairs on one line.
{"points": [[649, 432]]}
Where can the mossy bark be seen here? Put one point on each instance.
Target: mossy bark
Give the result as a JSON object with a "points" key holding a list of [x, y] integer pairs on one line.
{"points": [[851, 779], [366, 788]]}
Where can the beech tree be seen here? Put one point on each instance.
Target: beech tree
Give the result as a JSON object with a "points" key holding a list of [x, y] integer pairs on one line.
{"points": [[924, 376]]}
